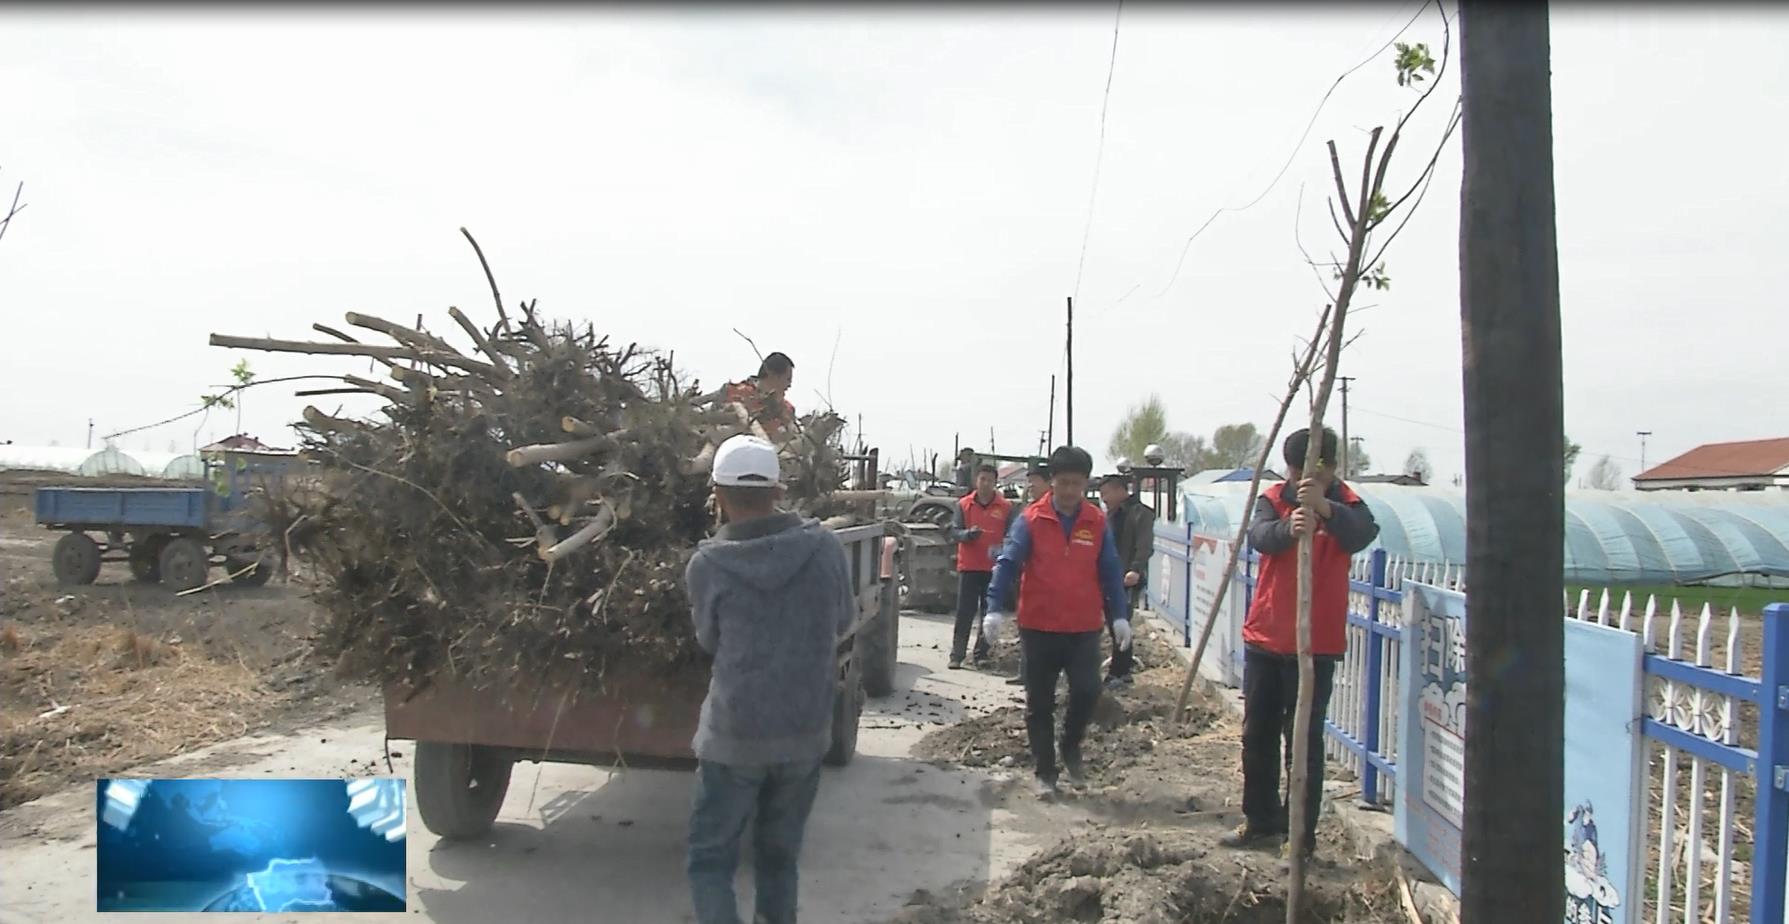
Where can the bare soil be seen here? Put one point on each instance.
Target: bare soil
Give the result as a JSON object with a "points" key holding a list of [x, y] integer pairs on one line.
{"points": [[1164, 796], [99, 679]]}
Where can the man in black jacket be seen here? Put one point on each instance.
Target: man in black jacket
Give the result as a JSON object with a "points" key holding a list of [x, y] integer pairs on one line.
{"points": [[1133, 526]]}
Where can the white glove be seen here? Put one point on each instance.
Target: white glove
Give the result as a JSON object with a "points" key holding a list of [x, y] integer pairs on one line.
{"points": [[990, 627], [1121, 634]]}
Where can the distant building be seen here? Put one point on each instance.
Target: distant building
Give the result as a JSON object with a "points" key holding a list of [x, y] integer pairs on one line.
{"points": [[1752, 465], [241, 442]]}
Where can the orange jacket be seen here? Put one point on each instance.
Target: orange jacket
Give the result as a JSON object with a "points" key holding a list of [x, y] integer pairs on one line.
{"points": [[774, 418]]}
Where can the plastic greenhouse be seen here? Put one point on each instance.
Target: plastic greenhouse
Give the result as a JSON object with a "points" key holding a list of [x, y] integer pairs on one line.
{"points": [[1611, 537]]}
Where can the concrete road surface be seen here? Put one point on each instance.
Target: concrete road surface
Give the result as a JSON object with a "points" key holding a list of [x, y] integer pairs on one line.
{"points": [[578, 843]]}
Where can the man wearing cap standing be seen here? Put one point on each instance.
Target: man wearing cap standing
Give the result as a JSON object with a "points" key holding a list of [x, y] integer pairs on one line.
{"points": [[770, 596], [1133, 528], [1065, 564]]}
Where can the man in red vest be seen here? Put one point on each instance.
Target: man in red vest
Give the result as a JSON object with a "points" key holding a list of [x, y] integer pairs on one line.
{"points": [[978, 529], [1070, 587], [1319, 504], [763, 394]]}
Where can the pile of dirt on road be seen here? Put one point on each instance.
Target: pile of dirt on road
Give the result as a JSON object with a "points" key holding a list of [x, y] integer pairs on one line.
{"points": [[106, 678], [1128, 725], [520, 508], [1160, 877]]}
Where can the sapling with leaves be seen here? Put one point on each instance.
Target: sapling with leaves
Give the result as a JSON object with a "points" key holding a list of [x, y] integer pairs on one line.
{"points": [[1366, 221]]}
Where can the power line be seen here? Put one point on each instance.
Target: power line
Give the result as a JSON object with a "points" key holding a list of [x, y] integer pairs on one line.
{"points": [[1185, 249], [1100, 154]]}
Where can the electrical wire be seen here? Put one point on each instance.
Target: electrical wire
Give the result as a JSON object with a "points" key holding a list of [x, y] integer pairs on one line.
{"points": [[1100, 153]]}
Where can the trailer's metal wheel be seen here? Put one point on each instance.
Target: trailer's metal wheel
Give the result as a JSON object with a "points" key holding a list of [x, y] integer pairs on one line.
{"points": [[259, 570], [75, 559], [459, 787], [145, 557], [880, 643], [847, 707], [184, 563]]}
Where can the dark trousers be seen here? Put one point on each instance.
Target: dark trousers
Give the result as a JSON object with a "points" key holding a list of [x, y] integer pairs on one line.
{"points": [[1047, 655], [1269, 709], [1124, 661], [972, 605]]}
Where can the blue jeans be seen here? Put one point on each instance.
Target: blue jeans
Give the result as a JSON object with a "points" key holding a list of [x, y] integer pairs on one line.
{"points": [[782, 795]]}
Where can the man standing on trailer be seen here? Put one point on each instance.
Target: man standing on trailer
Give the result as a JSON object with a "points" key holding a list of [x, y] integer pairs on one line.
{"points": [[762, 395], [1133, 526], [770, 594], [1340, 525], [1062, 558], [978, 529]]}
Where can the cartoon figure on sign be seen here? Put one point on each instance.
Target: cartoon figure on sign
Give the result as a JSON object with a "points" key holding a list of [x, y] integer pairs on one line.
{"points": [[1587, 871]]}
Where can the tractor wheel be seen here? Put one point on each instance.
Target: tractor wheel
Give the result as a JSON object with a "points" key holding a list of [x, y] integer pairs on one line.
{"points": [[879, 643], [75, 559], [847, 707], [459, 787], [184, 564], [145, 557]]}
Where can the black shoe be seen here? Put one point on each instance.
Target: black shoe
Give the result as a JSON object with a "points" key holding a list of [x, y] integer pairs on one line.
{"points": [[1045, 788], [1015, 681], [956, 664], [1071, 764], [1118, 683], [1248, 837]]}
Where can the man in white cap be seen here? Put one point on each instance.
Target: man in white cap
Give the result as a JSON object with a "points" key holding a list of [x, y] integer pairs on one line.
{"points": [[771, 596]]}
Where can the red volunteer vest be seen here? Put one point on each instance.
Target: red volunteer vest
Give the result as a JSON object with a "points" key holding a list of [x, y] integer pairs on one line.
{"points": [[978, 554], [758, 405], [1272, 623], [1059, 589]]}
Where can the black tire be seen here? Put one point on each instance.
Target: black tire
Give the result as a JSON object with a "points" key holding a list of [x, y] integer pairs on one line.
{"points": [[75, 559], [879, 643], [184, 564], [847, 706], [145, 557], [260, 569], [459, 787]]}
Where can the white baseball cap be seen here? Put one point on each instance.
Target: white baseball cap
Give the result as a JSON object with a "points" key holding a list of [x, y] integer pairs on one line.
{"points": [[747, 462]]}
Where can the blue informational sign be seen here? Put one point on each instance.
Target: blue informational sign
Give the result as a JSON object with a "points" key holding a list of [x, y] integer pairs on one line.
{"points": [[1599, 835]]}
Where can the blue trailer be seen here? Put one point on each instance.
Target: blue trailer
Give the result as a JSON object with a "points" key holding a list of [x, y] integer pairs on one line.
{"points": [[168, 534]]}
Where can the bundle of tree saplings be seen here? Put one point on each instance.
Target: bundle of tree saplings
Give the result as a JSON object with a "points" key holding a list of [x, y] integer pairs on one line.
{"points": [[520, 508]]}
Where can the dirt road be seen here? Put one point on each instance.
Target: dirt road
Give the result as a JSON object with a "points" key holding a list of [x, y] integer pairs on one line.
{"points": [[573, 839]]}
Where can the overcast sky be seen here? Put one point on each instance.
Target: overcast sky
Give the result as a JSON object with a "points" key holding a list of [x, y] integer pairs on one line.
{"points": [[911, 185]]}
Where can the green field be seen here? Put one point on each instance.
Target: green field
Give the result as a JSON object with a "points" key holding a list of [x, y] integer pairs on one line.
{"points": [[1750, 600]]}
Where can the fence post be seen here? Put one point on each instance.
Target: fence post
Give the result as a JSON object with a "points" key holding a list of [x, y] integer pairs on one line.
{"points": [[1771, 826], [1369, 720], [1186, 587]]}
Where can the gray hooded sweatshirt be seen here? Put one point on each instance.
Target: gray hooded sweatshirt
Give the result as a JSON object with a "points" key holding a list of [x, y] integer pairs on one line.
{"points": [[770, 598]]}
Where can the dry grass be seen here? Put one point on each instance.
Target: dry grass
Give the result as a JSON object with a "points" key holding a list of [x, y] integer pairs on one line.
{"points": [[103, 699]]}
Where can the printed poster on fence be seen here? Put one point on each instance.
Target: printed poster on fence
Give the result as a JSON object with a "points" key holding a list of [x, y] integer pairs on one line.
{"points": [[1210, 554], [1599, 833]]}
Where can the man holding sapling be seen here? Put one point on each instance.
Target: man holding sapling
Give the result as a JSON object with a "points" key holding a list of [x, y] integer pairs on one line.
{"points": [[1320, 505], [1070, 584], [770, 595]]}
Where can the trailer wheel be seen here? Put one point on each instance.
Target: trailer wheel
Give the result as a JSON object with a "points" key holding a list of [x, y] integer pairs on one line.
{"points": [[183, 564], [847, 706], [459, 787], [75, 559], [260, 569], [145, 557], [880, 643]]}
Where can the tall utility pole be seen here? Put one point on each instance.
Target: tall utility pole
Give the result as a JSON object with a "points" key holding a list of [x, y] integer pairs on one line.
{"points": [[1050, 431], [89, 433], [1070, 403], [1515, 436], [1347, 447], [1643, 434]]}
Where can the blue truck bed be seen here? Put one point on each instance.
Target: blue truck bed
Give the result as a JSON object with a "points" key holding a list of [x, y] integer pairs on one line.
{"points": [[109, 507]]}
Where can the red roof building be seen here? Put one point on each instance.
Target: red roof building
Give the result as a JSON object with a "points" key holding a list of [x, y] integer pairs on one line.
{"points": [[1751, 465]]}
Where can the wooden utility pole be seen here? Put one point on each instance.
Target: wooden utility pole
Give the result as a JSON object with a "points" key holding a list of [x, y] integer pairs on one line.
{"points": [[1050, 432], [1509, 313], [1347, 449], [1070, 402]]}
